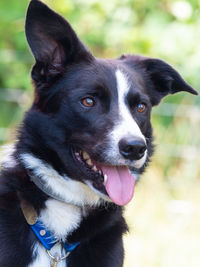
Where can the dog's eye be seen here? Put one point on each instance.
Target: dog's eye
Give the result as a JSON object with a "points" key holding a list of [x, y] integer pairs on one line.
{"points": [[88, 102], [141, 107]]}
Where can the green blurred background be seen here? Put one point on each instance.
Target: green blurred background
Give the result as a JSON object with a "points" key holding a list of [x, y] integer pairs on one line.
{"points": [[164, 216]]}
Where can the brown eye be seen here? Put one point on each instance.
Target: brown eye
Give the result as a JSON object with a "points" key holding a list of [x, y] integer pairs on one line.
{"points": [[141, 107], [88, 102]]}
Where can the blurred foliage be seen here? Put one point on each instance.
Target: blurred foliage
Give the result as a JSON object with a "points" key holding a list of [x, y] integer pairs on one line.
{"points": [[166, 29]]}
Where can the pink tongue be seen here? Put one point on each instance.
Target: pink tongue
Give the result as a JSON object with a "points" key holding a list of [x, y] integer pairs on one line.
{"points": [[120, 184]]}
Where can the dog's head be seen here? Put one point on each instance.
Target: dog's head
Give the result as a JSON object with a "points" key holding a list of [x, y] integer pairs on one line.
{"points": [[91, 117]]}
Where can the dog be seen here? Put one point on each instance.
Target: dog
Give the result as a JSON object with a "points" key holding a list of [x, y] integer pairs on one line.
{"points": [[80, 148]]}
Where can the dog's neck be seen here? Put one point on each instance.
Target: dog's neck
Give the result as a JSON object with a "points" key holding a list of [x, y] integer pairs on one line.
{"points": [[40, 183], [70, 191], [60, 217]]}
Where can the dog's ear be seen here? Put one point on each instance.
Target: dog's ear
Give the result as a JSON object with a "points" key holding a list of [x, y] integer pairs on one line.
{"points": [[166, 80], [53, 43], [162, 79]]}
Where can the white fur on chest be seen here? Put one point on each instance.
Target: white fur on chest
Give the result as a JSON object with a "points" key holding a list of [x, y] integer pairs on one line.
{"points": [[60, 218]]}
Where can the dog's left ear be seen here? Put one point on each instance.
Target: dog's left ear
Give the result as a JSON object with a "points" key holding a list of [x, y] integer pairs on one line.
{"points": [[162, 79], [53, 43], [166, 80]]}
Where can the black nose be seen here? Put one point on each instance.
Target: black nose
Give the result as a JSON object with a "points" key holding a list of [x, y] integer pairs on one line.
{"points": [[132, 149]]}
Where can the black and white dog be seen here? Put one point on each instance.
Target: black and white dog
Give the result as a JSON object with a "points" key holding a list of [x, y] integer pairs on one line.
{"points": [[82, 145]]}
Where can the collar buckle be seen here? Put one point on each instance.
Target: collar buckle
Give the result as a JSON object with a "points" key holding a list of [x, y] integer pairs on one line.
{"points": [[56, 259]]}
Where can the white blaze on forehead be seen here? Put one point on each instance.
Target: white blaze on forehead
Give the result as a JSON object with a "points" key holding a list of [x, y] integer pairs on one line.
{"points": [[126, 125]]}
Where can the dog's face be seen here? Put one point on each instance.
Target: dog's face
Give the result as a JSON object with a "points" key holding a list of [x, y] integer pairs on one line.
{"points": [[93, 115]]}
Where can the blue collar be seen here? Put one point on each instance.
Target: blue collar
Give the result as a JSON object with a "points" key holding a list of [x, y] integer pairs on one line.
{"points": [[47, 239]]}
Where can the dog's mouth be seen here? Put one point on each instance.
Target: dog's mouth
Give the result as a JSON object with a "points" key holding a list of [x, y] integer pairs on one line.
{"points": [[115, 181]]}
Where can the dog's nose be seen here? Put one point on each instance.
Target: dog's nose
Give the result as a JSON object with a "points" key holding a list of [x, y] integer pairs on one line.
{"points": [[131, 148]]}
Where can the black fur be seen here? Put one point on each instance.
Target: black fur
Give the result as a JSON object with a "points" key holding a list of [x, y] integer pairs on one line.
{"points": [[56, 124]]}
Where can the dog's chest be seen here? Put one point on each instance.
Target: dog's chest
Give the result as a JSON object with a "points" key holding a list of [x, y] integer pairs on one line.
{"points": [[60, 219]]}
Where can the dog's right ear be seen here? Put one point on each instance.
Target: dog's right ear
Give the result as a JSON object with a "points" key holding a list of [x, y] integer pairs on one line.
{"points": [[53, 43]]}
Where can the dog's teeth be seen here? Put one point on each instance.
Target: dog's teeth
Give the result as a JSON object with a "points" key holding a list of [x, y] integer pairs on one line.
{"points": [[100, 172], [77, 154], [105, 178], [85, 155], [94, 168], [89, 162]]}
